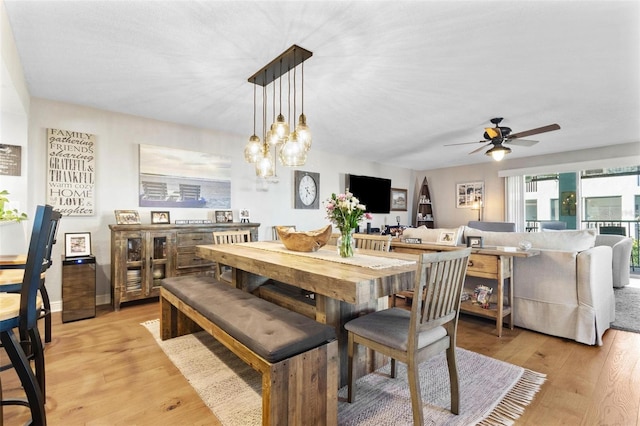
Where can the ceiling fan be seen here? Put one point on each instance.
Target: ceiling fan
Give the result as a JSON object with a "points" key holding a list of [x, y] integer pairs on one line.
{"points": [[498, 136]]}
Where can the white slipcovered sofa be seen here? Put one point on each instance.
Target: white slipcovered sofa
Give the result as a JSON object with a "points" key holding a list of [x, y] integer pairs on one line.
{"points": [[621, 250], [565, 291]]}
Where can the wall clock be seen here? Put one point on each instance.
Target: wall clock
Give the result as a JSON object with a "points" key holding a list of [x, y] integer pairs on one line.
{"points": [[306, 190]]}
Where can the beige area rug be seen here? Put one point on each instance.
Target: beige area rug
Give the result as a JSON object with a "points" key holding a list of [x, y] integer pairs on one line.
{"points": [[493, 392]]}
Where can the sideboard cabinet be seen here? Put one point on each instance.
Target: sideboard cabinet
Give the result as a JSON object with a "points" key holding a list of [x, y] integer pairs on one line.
{"points": [[142, 255]]}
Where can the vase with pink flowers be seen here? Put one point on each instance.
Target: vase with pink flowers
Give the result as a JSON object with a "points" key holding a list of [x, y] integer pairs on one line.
{"points": [[345, 211]]}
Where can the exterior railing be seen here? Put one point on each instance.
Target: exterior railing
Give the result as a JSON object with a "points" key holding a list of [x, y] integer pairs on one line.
{"points": [[631, 227]]}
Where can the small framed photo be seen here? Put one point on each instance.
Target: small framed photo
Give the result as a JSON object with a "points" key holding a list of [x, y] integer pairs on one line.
{"points": [[160, 217], [244, 215], [127, 217], [398, 199], [447, 238], [77, 244], [474, 242], [224, 216]]}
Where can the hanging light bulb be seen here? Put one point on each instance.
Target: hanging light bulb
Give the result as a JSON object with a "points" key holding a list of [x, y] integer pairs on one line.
{"points": [[281, 126], [292, 153], [253, 149], [304, 133], [264, 165]]}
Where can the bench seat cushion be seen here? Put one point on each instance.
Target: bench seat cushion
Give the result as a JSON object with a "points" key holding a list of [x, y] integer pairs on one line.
{"points": [[273, 332]]}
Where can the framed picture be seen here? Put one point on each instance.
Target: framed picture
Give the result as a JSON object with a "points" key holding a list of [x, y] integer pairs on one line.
{"points": [[244, 215], [160, 217], [77, 244], [127, 217], [469, 195], [447, 238], [474, 242], [398, 199], [223, 216]]}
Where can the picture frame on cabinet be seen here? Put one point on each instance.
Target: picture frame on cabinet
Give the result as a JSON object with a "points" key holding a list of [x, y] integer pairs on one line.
{"points": [[158, 218], [398, 199], [475, 242], [223, 216], [77, 244], [127, 217]]}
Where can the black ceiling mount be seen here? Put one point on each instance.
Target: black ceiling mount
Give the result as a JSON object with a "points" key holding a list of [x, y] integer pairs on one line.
{"points": [[287, 60]]}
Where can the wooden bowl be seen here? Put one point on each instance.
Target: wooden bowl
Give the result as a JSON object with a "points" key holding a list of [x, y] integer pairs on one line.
{"points": [[303, 241]]}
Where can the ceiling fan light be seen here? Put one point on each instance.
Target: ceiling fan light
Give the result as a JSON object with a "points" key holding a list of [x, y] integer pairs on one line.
{"points": [[253, 150], [498, 151]]}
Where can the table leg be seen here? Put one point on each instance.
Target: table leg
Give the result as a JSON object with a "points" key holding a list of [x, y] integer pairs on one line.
{"points": [[500, 303], [511, 317]]}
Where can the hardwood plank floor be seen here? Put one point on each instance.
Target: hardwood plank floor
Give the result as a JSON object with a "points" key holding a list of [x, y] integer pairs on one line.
{"points": [[109, 371]]}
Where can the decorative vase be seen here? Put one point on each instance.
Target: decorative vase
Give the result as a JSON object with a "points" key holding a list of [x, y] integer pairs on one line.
{"points": [[346, 244]]}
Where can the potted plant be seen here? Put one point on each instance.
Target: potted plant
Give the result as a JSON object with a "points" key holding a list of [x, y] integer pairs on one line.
{"points": [[12, 236], [9, 215]]}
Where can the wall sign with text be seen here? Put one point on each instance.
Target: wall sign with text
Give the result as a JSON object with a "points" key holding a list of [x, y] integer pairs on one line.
{"points": [[71, 168]]}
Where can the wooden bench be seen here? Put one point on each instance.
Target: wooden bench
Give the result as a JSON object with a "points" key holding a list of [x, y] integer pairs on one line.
{"points": [[297, 356]]}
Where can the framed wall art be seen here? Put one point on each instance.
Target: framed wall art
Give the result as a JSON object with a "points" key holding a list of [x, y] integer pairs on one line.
{"points": [[398, 199], [469, 195], [178, 178], [160, 218], [77, 244]]}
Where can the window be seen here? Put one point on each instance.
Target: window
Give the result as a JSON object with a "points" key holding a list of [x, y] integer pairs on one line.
{"points": [[554, 206], [531, 210], [603, 208]]}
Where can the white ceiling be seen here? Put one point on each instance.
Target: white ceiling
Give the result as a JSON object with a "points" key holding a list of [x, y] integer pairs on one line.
{"points": [[389, 81]]}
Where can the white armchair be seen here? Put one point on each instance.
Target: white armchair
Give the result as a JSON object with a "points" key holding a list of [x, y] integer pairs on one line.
{"points": [[621, 263]]}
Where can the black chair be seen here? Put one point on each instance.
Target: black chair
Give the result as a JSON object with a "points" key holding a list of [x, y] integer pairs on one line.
{"points": [[22, 311], [16, 285], [613, 230]]}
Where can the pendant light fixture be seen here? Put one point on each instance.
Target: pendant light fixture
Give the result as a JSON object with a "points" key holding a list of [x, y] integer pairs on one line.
{"points": [[303, 131], [290, 148], [264, 165], [292, 153], [253, 150]]}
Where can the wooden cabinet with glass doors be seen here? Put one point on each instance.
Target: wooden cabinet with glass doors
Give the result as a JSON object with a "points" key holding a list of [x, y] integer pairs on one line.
{"points": [[142, 255]]}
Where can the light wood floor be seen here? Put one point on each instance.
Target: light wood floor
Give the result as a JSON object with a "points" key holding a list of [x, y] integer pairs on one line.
{"points": [[109, 371]]}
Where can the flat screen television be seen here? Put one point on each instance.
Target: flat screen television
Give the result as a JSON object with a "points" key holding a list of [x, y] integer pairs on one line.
{"points": [[373, 192]]}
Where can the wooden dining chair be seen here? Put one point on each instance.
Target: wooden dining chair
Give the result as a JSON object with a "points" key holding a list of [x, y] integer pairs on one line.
{"points": [[274, 232], [373, 241], [413, 337], [14, 286], [22, 310], [223, 273]]}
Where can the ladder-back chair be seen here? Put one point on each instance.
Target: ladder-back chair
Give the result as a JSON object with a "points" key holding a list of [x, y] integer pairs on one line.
{"points": [[223, 273], [22, 311], [373, 241], [413, 337]]}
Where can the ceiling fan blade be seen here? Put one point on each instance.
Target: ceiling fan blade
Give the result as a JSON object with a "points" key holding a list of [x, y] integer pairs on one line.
{"points": [[549, 128], [521, 142], [480, 149], [464, 143]]}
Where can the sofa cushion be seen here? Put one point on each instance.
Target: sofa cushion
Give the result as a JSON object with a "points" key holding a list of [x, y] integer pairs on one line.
{"points": [[570, 240], [428, 235]]}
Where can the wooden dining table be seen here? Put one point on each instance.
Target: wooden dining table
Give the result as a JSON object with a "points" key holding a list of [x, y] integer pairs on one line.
{"points": [[342, 291]]}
